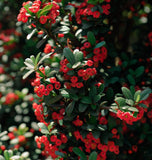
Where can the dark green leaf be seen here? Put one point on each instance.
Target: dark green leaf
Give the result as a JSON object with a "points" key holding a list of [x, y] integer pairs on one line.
{"points": [[93, 2], [82, 107], [96, 134], [100, 44], [93, 155], [59, 153], [120, 101], [127, 93], [86, 100], [78, 56], [101, 88], [80, 153], [139, 71], [91, 38], [93, 106], [110, 94], [69, 55], [74, 97], [93, 91], [44, 11], [142, 105], [145, 94], [131, 79], [70, 108], [97, 97], [52, 99]]}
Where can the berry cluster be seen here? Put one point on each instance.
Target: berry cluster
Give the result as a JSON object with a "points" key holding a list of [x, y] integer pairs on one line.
{"points": [[128, 117], [44, 12], [86, 13], [51, 145]]}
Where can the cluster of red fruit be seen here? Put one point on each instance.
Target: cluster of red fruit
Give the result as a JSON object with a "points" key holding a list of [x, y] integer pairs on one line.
{"points": [[44, 12]]}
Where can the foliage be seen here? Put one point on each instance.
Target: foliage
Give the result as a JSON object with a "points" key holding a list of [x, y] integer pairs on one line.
{"points": [[92, 82]]}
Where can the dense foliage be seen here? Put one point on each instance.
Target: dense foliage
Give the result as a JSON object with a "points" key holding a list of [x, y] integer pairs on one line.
{"points": [[86, 68]]}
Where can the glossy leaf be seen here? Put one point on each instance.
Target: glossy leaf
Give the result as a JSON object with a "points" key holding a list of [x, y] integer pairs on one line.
{"points": [[127, 93], [82, 107], [145, 94], [70, 107], [86, 100], [80, 153], [69, 55], [100, 44], [91, 38], [93, 155]]}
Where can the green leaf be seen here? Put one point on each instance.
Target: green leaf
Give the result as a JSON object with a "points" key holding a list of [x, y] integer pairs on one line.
{"points": [[92, 2], [43, 128], [44, 11], [121, 101], [130, 102], [145, 94], [65, 94], [86, 100], [47, 70], [37, 58], [139, 71], [61, 122], [27, 74], [93, 106], [110, 94], [104, 112], [74, 97], [82, 107], [1, 158], [69, 55], [100, 44], [91, 38], [27, 8], [101, 88], [131, 79], [93, 91], [65, 29], [93, 155], [59, 153], [80, 153], [6, 155], [77, 64], [52, 99], [29, 36], [96, 133], [127, 93], [137, 96], [70, 108], [97, 97], [133, 109], [142, 105], [78, 56], [102, 127]]}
